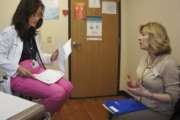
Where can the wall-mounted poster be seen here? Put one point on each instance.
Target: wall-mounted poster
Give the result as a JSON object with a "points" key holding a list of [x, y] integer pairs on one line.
{"points": [[79, 11], [51, 9], [94, 28]]}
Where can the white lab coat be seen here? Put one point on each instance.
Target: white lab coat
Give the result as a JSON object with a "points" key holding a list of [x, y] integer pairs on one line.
{"points": [[11, 48]]}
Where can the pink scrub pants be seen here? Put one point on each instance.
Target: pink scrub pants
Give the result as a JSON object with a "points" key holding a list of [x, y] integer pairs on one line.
{"points": [[52, 96]]}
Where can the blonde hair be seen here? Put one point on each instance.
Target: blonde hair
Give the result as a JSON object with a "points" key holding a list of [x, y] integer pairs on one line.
{"points": [[158, 38]]}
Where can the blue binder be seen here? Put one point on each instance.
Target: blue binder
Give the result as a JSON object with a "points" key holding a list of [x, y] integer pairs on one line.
{"points": [[122, 106]]}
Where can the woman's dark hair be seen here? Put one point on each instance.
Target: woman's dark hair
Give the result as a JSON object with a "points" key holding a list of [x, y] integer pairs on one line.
{"points": [[25, 9]]}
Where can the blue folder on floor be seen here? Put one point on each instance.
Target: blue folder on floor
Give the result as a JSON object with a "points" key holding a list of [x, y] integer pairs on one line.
{"points": [[122, 106]]}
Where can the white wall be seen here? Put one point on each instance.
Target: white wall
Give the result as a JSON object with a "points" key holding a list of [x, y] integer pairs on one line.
{"points": [[137, 12], [55, 32], [6, 11]]}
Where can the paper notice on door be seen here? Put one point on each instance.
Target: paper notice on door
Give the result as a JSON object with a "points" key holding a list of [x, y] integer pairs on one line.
{"points": [[49, 76], [64, 53], [109, 7], [94, 4], [94, 28]]}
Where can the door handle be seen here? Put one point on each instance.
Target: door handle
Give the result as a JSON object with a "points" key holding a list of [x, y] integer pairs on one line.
{"points": [[75, 44]]}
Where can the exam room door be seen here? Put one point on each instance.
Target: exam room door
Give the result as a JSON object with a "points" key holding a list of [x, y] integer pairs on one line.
{"points": [[95, 52]]}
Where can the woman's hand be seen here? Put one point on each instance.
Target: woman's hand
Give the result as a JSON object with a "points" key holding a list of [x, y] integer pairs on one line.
{"points": [[140, 91], [131, 83], [136, 88], [24, 72], [54, 55]]}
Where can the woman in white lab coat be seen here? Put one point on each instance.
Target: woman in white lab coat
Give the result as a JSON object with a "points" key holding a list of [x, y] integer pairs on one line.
{"points": [[19, 43]]}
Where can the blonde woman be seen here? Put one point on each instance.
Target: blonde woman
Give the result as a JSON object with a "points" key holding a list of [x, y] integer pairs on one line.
{"points": [[158, 81]]}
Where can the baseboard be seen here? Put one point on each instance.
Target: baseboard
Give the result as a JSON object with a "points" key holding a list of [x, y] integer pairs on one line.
{"points": [[124, 93], [119, 93]]}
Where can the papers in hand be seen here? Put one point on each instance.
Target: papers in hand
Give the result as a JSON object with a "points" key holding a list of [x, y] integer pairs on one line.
{"points": [[49, 76], [65, 51]]}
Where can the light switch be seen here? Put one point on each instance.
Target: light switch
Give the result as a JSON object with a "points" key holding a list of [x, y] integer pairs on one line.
{"points": [[49, 39]]}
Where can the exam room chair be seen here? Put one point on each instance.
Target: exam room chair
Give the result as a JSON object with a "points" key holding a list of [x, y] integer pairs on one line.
{"points": [[176, 114]]}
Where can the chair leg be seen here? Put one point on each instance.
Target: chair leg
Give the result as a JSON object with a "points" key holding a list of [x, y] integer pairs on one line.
{"points": [[110, 116]]}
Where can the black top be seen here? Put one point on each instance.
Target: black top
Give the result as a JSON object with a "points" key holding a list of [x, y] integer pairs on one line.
{"points": [[29, 50]]}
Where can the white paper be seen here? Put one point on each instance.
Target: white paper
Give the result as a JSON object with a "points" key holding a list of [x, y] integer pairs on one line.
{"points": [[109, 7], [61, 61], [49, 76], [94, 28], [67, 49], [94, 4], [11, 105], [113, 108], [64, 53]]}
